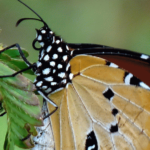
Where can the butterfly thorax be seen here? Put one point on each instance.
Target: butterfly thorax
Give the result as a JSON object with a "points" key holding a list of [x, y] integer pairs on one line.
{"points": [[53, 69]]}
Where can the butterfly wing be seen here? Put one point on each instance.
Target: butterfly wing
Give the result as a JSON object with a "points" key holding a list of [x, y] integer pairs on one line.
{"points": [[139, 68], [129, 60], [104, 107]]}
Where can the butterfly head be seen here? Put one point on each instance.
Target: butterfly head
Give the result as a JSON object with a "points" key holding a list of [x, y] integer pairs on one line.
{"points": [[44, 37]]}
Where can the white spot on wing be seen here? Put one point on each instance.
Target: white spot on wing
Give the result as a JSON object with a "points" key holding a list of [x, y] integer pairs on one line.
{"points": [[142, 84], [54, 70], [128, 78], [113, 65], [143, 56], [46, 71], [91, 147]]}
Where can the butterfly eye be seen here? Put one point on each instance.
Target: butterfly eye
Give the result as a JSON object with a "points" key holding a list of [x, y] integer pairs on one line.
{"points": [[48, 38]]}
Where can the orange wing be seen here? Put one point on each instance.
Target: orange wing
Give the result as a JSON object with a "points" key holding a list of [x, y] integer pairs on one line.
{"points": [[101, 109]]}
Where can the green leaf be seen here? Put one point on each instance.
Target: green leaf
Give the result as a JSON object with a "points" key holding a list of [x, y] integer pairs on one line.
{"points": [[14, 53], [12, 59], [22, 107]]}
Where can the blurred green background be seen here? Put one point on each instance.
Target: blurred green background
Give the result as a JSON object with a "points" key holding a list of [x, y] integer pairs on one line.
{"points": [[117, 23]]}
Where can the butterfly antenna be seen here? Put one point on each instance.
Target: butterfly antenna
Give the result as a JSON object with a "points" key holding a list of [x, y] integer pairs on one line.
{"points": [[22, 19]]}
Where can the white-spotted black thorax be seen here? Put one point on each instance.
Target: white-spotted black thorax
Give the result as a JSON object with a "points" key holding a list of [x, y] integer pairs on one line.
{"points": [[53, 69]]}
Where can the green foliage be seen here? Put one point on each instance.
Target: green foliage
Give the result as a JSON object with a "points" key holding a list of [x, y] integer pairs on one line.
{"points": [[12, 58], [17, 98]]}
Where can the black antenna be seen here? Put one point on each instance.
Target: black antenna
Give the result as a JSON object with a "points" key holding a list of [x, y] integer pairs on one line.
{"points": [[22, 19]]}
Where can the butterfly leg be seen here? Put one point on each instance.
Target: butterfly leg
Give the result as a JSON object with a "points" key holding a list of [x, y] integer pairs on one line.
{"points": [[14, 74], [2, 114], [48, 100], [20, 51], [30, 66]]}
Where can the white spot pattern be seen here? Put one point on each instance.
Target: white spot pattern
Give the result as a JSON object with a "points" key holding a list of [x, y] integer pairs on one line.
{"points": [[55, 56], [46, 58], [65, 57], [42, 54], [48, 90], [52, 63], [53, 83], [143, 56], [49, 79], [68, 65], [113, 65], [49, 49], [64, 81], [70, 76], [59, 49], [59, 66], [67, 47], [51, 32], [43, 31], [39, 37], [62, 74], [57, 41], [91, 147], [44, 87], [46, 71], [39, 64], [53, 39], [142, 84], [128, 78], [39, 83], [42, 44]]}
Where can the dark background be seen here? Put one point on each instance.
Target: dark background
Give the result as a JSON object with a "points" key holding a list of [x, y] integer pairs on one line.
{"points": [[117, 23]]}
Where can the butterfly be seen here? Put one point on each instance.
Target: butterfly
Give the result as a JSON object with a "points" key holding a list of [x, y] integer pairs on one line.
{"points": [[94, 104]]}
